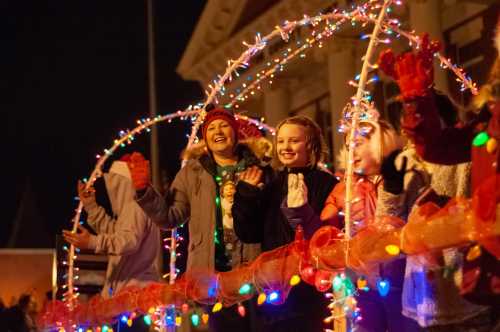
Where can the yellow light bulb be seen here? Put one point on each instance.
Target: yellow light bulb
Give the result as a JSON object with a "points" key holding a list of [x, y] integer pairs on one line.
{"points": [[361, 283], [491, 145], [217, 307], [392, 249], [294, 280], [178, 321], [473, 253], [261, 298]]}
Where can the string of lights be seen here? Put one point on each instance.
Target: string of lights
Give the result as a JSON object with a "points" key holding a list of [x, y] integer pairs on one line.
{"points": [[127, 137], [359, 108]]}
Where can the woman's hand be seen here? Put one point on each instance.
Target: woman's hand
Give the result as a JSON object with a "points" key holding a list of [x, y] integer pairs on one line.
{"points": [[252, 175]]}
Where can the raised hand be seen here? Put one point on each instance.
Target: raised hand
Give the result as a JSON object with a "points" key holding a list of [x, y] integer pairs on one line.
{"points": [[252, 175], [80, 240], [297, 191], [87, 196], [414, 72], [139, 170]]}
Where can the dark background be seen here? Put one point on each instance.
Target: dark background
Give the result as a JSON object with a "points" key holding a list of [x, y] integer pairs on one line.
{"points": [[73, 74]]}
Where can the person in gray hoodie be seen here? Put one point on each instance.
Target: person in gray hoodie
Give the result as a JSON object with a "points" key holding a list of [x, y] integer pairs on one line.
{"points": [[129, 238]]}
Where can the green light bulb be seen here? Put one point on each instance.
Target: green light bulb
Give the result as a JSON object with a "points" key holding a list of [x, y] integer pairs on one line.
{"points": [[480, 139], [195, 319], [147, 320], [337, 283], [245, 289]]}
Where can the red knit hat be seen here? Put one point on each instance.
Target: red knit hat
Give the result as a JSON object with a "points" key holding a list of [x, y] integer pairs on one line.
{"points": [[222, 114], [246, 130]]}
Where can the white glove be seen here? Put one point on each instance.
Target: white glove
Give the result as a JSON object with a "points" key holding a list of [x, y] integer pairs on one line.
{"points": [[297, 191]]}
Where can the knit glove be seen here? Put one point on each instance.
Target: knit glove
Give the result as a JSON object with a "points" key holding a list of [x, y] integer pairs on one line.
{"points": [[297, 191], [413, 72], [393, 178], [139, 171]]}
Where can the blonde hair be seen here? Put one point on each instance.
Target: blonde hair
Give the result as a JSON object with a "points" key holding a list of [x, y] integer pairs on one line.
{"points": [[390, 139], [383, 138], [316, 145]]}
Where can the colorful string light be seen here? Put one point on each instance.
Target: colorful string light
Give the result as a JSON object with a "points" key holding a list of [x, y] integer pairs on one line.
{"points": [[127, 137], [360, 105]]}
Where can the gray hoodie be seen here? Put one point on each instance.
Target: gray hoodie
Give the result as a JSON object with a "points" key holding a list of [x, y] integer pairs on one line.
{"points": [[131, 241]]}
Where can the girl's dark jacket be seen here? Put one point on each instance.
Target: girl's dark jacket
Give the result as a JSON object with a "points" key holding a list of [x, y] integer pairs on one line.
{"points": [[258, 218]]}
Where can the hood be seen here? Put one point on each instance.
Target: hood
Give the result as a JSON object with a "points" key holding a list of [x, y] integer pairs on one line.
{"points": [[119, 186]]}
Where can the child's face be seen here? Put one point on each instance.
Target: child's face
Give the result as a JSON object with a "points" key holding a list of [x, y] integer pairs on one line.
{"points": [[291, 146], [365, 156]]}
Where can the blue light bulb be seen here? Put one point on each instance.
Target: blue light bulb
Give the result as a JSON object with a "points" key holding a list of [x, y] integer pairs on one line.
{"points": [[383, 287]]}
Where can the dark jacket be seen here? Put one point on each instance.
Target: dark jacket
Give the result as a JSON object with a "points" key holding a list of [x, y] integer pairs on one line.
{"points": [[258, 217], [257, 213]]}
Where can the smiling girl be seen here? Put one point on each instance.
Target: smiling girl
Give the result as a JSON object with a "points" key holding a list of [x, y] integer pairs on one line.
{"points": [[259, 214]]}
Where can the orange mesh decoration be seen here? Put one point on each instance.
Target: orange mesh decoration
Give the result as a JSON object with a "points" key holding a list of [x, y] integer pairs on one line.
{"points": [[431, 227], [229, 285], [150, 297], [485, 203], [457, 223], [283, 262], [328, 248], [127, 298], [368, 247], [428, 228]]}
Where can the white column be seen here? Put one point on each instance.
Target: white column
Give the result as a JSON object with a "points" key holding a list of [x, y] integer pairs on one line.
{"points": [[425, 16], [276, 104], [341, 69]]}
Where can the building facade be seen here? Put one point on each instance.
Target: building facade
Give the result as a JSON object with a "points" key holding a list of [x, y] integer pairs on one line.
{"points": [[316, 85]]}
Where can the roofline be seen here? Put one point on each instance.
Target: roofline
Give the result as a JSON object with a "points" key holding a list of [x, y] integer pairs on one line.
{"points": [[188, 54], [211, 9]]}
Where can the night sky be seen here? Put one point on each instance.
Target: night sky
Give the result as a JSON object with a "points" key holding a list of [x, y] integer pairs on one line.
{"points": [[73, 74]]}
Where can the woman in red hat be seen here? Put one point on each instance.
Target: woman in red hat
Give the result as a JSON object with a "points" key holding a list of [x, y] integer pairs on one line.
{"points": [[200, 194]]}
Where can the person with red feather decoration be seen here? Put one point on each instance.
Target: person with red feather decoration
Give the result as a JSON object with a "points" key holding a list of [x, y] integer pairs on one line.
{"points": [[475, 140]]}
